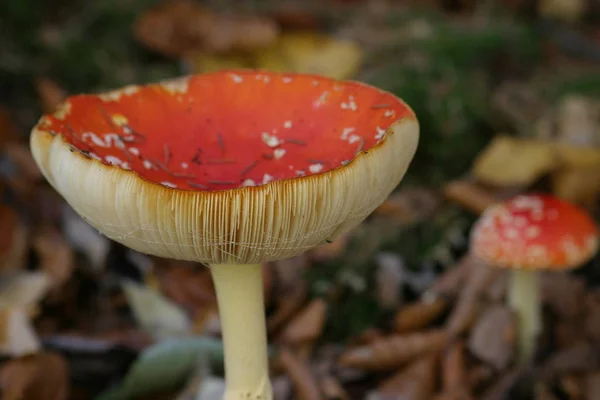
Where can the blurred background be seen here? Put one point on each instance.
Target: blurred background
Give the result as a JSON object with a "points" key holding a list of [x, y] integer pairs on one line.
{"points": [[508, 96]]}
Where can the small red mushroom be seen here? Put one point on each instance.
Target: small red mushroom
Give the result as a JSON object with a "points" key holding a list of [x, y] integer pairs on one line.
{"points": [[229, 168], [528, 233]]}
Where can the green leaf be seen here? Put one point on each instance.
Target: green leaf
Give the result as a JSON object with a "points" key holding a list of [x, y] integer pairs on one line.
{"points": [[155, 313], [166, 366]]}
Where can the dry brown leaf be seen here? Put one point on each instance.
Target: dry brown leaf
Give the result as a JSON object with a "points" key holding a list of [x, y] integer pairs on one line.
{"points": [[410, 205], [492, 340], [21, 156], [564, 293], [417, 316], [50, 93], [307, 325], [189, 285], [579, 358], [8, 130], [331, 250], [572, 385], [13, 240], [592, 385], [332, 389], [592, 319], [415, 382], [305, 383], [470, 195], [454, 373], [509, 161], [43, 376], [55, 254], [501, 386], [450, 282], [393, 351], [468, 305], [182, 27], [287, 306], [479, 376]]}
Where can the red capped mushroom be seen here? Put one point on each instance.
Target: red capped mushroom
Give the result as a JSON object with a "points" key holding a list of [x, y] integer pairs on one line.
{"points": [[528, 233], [232, 169]]}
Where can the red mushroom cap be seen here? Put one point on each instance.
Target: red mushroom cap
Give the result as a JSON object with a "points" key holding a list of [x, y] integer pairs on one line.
{"points": [[535, 231], [227, 167], [230, 129]]}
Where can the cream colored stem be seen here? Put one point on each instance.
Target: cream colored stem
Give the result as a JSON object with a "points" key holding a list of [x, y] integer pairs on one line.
{"points": [[240, 296], [524, 299]]}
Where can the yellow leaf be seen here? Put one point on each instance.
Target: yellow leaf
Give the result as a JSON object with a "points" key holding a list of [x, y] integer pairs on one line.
{"points": [[508, 161], [206, 62], [312, 53]]}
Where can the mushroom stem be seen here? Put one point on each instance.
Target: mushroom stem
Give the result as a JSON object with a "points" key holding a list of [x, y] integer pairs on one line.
{"points": [[524, 299], [239, 291]]}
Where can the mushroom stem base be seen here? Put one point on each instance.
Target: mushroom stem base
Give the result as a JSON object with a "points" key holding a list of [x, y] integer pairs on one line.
{"points": [[523, 297], [239, 291]]}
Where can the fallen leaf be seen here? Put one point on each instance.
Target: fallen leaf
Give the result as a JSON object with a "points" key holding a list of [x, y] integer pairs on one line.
{"points": [[564, 294], [578, 185], [165, 366], [502, 385], [451, 281], [592, 319], [17, 334], [44, 376], [181, 27], [469, 195], [468, 306], [307, 325], [415, 382], [51, 95], [564, 10], [332, 389], [592, 385], [394, 351], [314, 53], [287, 306], [330, 250], [582, 357], [13, 241], [154, 313], [420, 315], [409, 206], [305, 383], [23, 289], [492, 339], [509, 161], [82, 237], [454, 372], [22, 158], [55, 255]]}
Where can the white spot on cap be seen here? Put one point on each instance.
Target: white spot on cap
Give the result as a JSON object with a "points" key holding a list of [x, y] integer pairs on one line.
{"points": [[270, 140], [177, 85], [380, 133], [354, 139], [532, 232], [266, 179], [278, 153], [184, 165], [286, 79], [350, 105], [315, 83], [168, 184], [113, 160], [126, 166], [346, 132], [237, 78], [511, 233], [314, 168], [248, 182], [134, 150], [389, 113], [287, 124], [147, 164], [300, 172]]}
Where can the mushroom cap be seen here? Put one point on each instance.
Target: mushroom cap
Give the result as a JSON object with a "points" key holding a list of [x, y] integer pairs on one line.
{"points": [[236, 166], [534, 231]]}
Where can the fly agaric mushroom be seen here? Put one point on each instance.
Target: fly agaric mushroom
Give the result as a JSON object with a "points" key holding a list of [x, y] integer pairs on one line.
{"points": [[529, 233], [231, 169]]}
